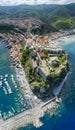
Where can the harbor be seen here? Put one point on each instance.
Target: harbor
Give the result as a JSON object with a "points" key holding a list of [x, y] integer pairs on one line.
{"points": [[12, 100], [19, 106], [18, 99]]}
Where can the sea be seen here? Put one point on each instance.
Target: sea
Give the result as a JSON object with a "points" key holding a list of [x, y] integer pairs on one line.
{"points": [[12, 100], [64, 116]]}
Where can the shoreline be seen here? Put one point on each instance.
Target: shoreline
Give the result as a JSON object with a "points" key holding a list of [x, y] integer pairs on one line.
{"points": [[37, 112], [65, 39], [29, 117]]}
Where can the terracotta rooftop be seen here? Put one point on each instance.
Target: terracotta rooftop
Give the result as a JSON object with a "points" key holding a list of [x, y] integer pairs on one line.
{"points": [[41, 54]]}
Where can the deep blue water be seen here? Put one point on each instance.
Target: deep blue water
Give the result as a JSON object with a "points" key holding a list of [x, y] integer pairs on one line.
{"points": [[64, 117]]}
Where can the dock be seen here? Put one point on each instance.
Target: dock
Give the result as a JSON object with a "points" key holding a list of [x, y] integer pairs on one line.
{"points": [[8, 87], [12, 77]]}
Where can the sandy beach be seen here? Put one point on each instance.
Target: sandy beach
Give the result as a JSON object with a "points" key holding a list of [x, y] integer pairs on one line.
{"points": [[65, 39]]}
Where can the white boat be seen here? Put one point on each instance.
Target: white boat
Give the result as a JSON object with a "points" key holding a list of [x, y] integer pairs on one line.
{"points": [[15, 86], [12, 75], [10, 114], [0, 83], [13, 109], [1, 77], [6, 75], [5, 116], [5, 79], [5, 90]]}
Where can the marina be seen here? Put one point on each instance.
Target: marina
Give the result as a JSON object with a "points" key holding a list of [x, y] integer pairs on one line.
{"points": [[12, 100], [19, 106]]}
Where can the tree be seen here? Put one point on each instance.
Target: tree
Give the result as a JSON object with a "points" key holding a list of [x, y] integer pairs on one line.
{"points": [[25, 56]]}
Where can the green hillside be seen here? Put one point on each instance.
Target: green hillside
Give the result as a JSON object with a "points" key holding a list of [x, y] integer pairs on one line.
{"points": [[61, 18], [58, 16]]}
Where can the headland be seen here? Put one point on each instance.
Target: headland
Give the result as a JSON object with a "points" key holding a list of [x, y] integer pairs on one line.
{"points": [[47, 63]]}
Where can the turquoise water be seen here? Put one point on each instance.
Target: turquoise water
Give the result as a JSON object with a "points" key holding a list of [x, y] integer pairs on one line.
{"points": [[14, 103], [64, 117]]}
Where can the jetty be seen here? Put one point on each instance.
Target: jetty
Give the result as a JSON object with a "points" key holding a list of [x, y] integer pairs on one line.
{"points": [[57, 90]]}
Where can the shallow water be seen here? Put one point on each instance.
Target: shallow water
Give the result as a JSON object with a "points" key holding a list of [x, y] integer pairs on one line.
{"points": [[64, 117]]}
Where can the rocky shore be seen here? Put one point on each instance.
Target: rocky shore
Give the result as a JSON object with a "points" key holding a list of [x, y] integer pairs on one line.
{"points": [[32, 116]]}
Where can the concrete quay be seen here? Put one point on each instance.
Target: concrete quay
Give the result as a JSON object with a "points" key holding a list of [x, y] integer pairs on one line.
{"points": [[30, 116]]}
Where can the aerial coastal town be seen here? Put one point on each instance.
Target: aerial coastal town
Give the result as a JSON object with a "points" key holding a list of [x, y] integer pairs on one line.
{"points": [[41, 68], [37, 65]]}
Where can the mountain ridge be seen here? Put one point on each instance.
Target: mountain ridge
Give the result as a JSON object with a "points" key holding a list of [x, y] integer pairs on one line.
{"points": [[52, 14]]}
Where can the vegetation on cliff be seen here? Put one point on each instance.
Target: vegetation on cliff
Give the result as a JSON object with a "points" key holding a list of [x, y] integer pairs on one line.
{"points": [[58, 69]]}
